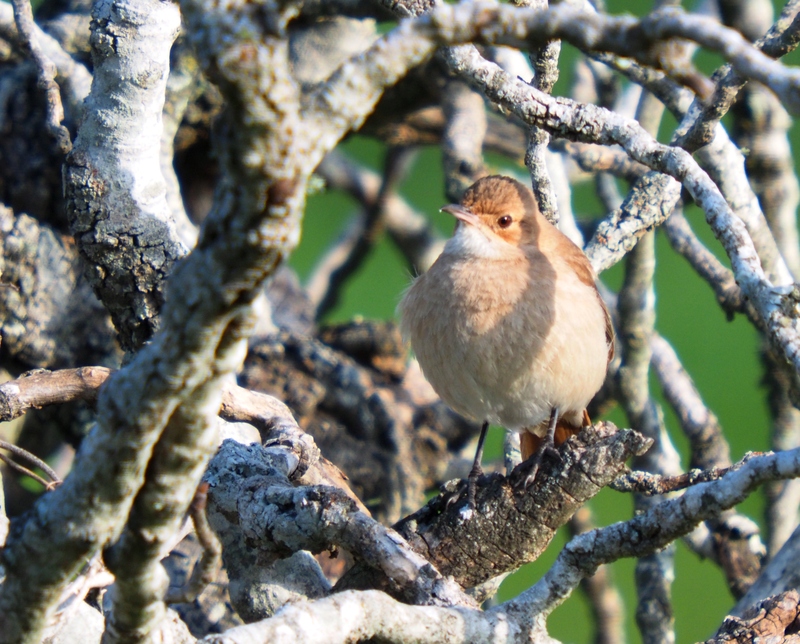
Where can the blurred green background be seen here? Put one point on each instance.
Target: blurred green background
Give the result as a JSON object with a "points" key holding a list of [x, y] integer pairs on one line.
{"points": [[721, 356]]}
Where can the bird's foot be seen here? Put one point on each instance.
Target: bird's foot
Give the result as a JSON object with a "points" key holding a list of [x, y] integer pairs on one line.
{"points": [[456, 493], [468, 485], [547, 445], [472, 480]]}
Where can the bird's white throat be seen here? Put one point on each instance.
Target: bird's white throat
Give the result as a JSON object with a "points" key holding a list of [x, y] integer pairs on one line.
{"points": [[471, 241]]}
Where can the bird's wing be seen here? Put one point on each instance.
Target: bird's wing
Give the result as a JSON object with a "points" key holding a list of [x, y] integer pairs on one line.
{"points": [[579, 263]]}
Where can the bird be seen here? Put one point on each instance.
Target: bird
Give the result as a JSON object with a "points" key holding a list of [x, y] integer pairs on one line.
{"points": [[507, 324]]}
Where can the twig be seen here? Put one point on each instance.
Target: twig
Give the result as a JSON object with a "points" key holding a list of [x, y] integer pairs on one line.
{"points": [[42, 388], [46, 70], [359, 245], [782, 38], [600, 158], [636, 306], [32, 458], [411, 231], [463, 138], [721, 159], [762, 128], [710, 449], [721, 280], [662, 523], [650, 484], [24, 470], [544, 60], [738, 551], [206, 568], [636, 309], [783, 498], [74, 78]]}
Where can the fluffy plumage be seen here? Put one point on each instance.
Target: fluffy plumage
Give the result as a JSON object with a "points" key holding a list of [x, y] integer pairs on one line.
{"points": [[508, 324]]}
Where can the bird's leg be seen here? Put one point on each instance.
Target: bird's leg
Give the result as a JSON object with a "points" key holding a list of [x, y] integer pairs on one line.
{"points": [[548, 443], [476, 470]]}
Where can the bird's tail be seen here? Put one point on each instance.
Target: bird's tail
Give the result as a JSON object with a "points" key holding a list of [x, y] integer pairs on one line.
{"points": [[531, 438]]}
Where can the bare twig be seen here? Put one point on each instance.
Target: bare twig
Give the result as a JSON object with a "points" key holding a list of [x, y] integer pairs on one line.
{"points": [[73, 77], [782, 38], [544, 60], [27, 472], [636, 306], [710, 449], [41, 388], [650, 484], [357, 245], [23, 16], [31, 458], [685, 242], [783, 497], [463, 138], [419, 242], [663, 524], [206, 569], [600, 158]]}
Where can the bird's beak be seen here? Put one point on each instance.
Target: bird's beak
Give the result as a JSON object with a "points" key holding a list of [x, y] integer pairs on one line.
{"points": [[462, 214]]}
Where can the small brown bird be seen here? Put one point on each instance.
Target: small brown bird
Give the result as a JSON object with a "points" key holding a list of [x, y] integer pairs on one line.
{"points": [[508, 325]]}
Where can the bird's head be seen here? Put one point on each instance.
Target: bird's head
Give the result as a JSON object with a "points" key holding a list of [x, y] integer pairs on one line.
{"points": [[495, 212]]}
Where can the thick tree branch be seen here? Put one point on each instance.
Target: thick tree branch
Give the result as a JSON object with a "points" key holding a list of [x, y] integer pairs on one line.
{"points": [[49, 316], [253, 224], [482, 547], [115, 193], [374, 614], [260, 517]]}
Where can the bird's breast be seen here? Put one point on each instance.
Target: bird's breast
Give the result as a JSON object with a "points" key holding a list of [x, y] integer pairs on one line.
{"points": [[506, 342]]}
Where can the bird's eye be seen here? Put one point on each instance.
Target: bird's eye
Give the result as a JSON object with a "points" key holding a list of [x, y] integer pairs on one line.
{"points": [[504, 221]]}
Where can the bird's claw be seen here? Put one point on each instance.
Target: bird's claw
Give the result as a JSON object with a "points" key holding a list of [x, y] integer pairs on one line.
{"points": [[455, 497], [456, 492]]}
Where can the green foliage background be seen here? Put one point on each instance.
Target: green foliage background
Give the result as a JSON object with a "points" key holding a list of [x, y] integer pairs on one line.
{"points": [[721, 356]]}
